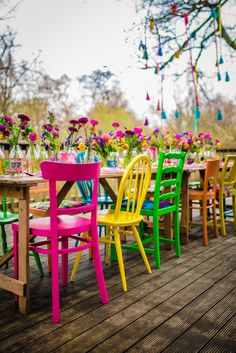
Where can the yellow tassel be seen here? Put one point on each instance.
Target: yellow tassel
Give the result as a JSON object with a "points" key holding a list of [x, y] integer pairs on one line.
{"points": [[152, 24]]}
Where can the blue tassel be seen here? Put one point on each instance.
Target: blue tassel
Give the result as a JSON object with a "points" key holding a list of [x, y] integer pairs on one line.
{"points": [[193, 35], [221, 60], [160, 53], [227, 78], [219, 115], [163, 115], [177, 114], [219, 76], [197, 113]]}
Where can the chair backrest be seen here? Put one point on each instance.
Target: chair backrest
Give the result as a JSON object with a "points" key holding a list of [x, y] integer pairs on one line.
{"points": [[168, 179], [55, 172], [228, 175], [211, 175], [133, 187], [85, 187]]}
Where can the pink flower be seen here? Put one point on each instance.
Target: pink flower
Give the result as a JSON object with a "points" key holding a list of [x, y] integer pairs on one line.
{"points": [[105, 137], [94, 122], [73, 121], [137, 130], [32, 136], [2, 127], [119, 133]]}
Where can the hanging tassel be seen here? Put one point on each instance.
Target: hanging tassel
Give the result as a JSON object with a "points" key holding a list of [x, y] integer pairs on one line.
{"points": [[145, 54], [177, 54], [146, 122], [146, 65], [197, 113], [147, 97], [177, 114], [155, 71], [174, 9], [218, 76], [227, 78], [219, 115], [163, 115], [152, 24], [221, 61], [193, 35], [185, 16], [158, 106], [160, 53]]}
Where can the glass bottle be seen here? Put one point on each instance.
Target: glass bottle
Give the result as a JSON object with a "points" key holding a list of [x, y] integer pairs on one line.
{"points": [[2, 162], [16, 161]]}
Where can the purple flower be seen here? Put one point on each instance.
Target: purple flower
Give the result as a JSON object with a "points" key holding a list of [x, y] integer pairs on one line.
{"points": [[94, 122], [156, 131], [48, 127], [129, 133], [83, 121], [6, 133], [32, 137], [55, 134], [73, 121], [2, 127], [8, 119], [72, 129], [115, 124], [23, 117], [190, 141]]}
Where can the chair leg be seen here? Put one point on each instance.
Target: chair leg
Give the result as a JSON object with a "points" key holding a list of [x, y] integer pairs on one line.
{"points": [[120, 258], [99, 270], [156, 240], [4, 239], [55, 282], [75, 266], [234, 210], [141, 249], [204, 223], [15, 259], [222, 217], [214, 219], [64, 245], [38, 263], [177, 234]]}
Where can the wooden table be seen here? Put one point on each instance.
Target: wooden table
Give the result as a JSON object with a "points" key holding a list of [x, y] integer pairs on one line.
{"points": [[188, 169], [18, 187]]}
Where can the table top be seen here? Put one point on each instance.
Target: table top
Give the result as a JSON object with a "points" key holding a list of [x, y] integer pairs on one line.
{"points": [[20, 180]]}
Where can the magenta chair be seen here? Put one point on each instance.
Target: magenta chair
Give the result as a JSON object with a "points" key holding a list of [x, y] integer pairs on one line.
{"points": [[62, 225]]}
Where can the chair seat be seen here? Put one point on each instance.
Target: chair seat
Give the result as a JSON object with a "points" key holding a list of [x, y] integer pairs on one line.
{"points": [[198, 194], [67, 225], [11, 217], [107, 217], [44, 205], [149, 205]]}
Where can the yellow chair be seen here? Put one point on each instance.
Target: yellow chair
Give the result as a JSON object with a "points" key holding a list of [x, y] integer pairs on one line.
{"points": [[227, 188], [131, 194]]}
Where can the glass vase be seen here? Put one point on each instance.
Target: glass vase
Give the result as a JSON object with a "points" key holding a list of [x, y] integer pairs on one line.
{"points": [[32, 160], [16, 161], [2, 162]]}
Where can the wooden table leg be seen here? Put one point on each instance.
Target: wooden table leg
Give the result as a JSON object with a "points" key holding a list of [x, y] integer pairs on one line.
{"points": [[23, 264], [184, 222]]}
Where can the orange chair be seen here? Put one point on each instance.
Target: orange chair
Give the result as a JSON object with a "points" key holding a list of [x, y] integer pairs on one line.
{"points": [[207, 196]]}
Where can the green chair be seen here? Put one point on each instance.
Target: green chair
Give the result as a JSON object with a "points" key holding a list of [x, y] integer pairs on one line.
{"points": [[166, 200], [9, 218]]}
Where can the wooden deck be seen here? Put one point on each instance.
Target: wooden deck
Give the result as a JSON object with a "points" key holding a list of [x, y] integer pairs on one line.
{"points": [[189, 305]]}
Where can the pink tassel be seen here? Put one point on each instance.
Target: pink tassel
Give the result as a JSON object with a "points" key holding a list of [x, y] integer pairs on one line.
{"points": [[158, 106], [147, 97]]}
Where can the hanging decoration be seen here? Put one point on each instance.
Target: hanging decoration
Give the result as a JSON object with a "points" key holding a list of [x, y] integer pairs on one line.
{"points": [[146, 123], [227, 78], [215, 16], [197, 113], [177, 114], [147, 97], [219, 115], [158, 106], [221, 60]]}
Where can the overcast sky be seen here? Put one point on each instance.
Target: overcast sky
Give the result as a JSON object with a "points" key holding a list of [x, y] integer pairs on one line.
{"points": [[78, 36]]}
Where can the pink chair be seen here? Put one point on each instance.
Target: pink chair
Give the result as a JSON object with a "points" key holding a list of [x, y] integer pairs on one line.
{"points": [[62, 225]]}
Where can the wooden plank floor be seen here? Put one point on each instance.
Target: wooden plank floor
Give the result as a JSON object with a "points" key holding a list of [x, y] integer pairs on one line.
{"points": [[189, 305]]}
